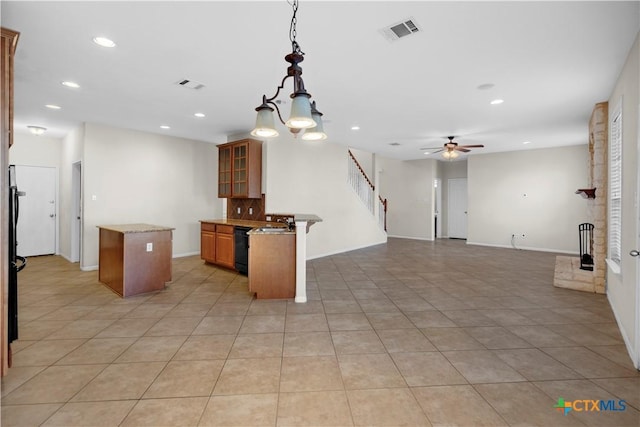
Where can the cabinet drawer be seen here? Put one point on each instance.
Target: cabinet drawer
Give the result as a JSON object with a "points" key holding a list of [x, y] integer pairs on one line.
{"points": [[205, 226], [224, 229]]}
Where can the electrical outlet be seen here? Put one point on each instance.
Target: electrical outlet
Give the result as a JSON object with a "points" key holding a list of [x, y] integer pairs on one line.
{"points": [[250, 211], [238, 210], [149, 247]]}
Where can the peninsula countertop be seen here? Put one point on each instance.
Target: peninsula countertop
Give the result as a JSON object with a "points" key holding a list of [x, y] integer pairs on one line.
{"points": [[135, 228]]}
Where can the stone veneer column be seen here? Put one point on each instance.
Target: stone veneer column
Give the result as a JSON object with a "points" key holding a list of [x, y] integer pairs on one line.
{"points": [[597, 209], [567, 271]]}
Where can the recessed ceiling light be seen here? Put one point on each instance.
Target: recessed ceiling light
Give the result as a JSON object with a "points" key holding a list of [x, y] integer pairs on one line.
{"points": [[73, 85], [200, 115], [53, 106], [426, 153], [497, 101], [104, 42], [36, 130], [165, 127], [355, 127], [485, 86], [527, 142]]}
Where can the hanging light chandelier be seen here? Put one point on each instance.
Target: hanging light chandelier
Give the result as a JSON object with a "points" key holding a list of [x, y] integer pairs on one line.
{"points": [[304, 114]]}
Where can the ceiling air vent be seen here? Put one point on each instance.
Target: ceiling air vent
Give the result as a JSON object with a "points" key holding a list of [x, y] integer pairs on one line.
{"points": [[400, 29], [191, 84]]}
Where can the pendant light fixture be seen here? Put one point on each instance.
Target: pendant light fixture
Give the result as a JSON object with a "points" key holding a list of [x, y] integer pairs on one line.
{"points": [[304, 115]]}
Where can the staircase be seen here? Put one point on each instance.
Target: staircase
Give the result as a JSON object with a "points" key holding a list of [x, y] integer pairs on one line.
{"points": [[365, 189]]}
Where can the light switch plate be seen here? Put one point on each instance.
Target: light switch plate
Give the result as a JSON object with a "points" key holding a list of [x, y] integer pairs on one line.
{"points": [[149, 247]]}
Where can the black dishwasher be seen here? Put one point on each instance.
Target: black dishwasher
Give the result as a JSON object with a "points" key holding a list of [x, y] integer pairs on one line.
{"points": [[241, 242]]}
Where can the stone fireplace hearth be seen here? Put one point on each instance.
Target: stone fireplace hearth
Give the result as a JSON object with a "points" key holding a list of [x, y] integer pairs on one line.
{"points": [[567, 271]]}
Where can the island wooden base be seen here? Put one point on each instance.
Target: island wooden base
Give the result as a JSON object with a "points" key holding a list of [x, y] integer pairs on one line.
{"points": [[128, 268]]}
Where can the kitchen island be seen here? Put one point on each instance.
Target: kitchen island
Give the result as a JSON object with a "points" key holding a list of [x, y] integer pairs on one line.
{"points": [[135, 258]]}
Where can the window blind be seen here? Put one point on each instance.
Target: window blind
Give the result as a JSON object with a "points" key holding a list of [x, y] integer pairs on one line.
{"points": [[615, 187]]}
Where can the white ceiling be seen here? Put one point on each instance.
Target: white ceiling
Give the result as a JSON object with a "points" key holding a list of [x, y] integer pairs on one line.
{"points": [[549, 61]]}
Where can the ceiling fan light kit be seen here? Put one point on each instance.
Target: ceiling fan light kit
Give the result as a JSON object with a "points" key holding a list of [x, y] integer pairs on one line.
{"points": [[304, 114], [451, 149]]}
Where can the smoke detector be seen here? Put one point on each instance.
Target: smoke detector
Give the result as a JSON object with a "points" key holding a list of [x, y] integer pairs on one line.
{"points": [[191, 84], [404, 28]]}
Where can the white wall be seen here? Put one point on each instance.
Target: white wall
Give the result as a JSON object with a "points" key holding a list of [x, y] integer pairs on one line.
{"points": [[622, 289], [72, 151], [528, 192], [408, 187], [139, 177], [33, 150], [311, 178]]}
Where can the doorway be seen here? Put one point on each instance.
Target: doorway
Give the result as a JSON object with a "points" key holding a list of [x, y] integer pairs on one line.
{"points": [[37, 224], [437, 208], [457, 208], [76, 214]]}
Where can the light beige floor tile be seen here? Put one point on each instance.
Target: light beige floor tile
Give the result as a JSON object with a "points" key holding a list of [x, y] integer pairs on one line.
{"points": [[91, 413], [337, 307], [589, 364], [413, 304], [109, 311], [204, 347], [16, 376], [308, 344], [318, 408], [70, 312], [541, 336], [152, 349], [267, 307], [397, 320], [497, 337], [379, 305], [249, 376], [257, 346], [315, 373], [173, 326], [229, 308], [427, 368], [80, 329], [536, 365], [46, 352], [189, 310], [186, 379], [456, 405], [97, 350], [241, 410], [404, 340], [149, 310], [386, 407], [507, 317], [120, 381], [263, 324], [306, 323], [27, 415], [219, 325], [125, 328], [615, 353], [446, 339], [40, 329], [482, 366], [54, 384], [357, 342], [184, 411], [507, 399], [365, 371], [430, 319], [348, 322], [468, 318]]}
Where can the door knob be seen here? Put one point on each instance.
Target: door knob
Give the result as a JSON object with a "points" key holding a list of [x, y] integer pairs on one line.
{"points": [[52, 215], [634, 252]]}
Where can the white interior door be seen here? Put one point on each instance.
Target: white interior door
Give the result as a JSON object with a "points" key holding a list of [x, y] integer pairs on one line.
{"points": [[36, 233], [457, 208]]}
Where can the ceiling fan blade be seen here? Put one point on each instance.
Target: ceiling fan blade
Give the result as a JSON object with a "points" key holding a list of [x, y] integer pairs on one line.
{"points": [[434, 152], [472, 146], [431, 148], [464, 150]]}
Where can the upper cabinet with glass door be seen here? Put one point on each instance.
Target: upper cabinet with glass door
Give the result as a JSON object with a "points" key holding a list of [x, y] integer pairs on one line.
{"points": [[240, 169]]}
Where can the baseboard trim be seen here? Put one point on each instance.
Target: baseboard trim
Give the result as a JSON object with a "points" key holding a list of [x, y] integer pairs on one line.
{"points": [[524, 248], [627, 342], [410, 237]]}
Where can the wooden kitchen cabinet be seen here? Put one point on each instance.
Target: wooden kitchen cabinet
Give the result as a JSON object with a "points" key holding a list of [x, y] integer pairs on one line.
{"points": [[9, 42], [240, 169], [225, 255], [208, 242], [272, 265]]}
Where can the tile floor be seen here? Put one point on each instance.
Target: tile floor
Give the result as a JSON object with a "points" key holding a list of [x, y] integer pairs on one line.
{"points": [[406, 333]]}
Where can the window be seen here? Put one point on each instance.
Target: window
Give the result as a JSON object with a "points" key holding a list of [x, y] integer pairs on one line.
{"points": [[615, 189]]}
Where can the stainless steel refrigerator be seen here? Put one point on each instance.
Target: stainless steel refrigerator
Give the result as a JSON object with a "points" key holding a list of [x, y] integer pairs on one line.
{"points": [[16, 262]]}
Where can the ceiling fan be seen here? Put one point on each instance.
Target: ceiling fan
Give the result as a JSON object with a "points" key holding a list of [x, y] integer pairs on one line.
{"points": [[449, 151]]}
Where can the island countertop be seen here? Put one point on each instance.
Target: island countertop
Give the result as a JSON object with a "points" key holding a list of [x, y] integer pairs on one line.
{"points": [[237, 222], [135, 228]]}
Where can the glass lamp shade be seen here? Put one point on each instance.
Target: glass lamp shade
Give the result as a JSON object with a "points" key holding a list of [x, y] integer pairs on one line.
{"points": [[300, 117], [315, 133], [265, 126], [450, 155]]}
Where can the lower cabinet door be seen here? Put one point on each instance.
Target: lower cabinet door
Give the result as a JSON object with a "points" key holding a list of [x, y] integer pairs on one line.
{"points": [[225, 255], [208, 246]]}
